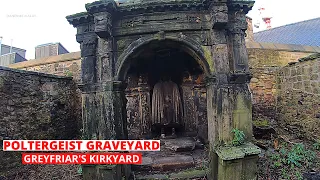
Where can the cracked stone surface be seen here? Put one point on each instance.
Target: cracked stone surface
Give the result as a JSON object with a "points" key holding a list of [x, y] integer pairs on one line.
{"points": [[180, 144]]}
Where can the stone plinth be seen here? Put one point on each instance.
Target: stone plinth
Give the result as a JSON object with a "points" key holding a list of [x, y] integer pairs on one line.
{"points": [[238, 162]]}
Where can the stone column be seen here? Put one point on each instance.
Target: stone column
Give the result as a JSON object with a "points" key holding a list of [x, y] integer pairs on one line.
{"points": [[144, 108], [103, 98], [239, 74], [88, 44], [237, 31], [229, 98]]}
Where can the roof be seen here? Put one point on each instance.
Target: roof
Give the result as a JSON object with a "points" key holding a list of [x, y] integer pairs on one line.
{"points": [[282, 47], [13, 53], [3, 45], [47, 44], [300, 33]]}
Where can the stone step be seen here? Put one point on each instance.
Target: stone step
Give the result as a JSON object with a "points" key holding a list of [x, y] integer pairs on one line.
{"points": [[167, 163], [180, 144], [194, 174]]}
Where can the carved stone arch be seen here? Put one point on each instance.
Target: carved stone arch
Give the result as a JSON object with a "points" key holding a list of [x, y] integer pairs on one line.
{"points": [[187, 44]]}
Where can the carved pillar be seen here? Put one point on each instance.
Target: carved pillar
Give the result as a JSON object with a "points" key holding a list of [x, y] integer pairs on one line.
{"points": [[240, 75], [103, 99], [228, 95], [236, 29], [105, 61], [144, 106]]}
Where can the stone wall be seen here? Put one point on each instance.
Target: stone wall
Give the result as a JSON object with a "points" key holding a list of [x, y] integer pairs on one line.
{"points": [[298, 104], [38, 106], [264, 63], [35, 106], [264, 60], [61, 65]]}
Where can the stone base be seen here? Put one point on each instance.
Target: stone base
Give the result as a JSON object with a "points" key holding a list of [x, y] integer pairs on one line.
{"points": [[236, 162], [176, 154]]}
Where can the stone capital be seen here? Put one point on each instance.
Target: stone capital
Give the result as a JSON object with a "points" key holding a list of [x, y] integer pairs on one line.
{"points": [[240, 5], [238, 23], [88, 43], [240, 78], [219, 14], [237, 15], [115, 86], [210, 80], [103, 24]]}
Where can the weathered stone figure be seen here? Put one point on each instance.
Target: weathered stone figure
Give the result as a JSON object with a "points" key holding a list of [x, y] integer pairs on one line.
{"points": [[166, 104]]}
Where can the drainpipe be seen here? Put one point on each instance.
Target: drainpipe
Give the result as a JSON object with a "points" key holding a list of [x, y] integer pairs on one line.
{"points": [[0, 45]]}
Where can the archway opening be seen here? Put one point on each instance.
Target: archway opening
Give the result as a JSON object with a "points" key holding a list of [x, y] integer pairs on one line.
{"points": [[166, 93]]}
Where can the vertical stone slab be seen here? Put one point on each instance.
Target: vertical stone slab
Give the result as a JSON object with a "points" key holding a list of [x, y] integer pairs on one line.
{"points": [[144, 108], [230, 170], [242, 110], [89, 172], [213, 135], [236, 29], [110, 172], [89, 116], [105, 61], [190, 119]]}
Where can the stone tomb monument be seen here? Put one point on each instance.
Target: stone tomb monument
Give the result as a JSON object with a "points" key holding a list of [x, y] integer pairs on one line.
{"points": [[175, 70]]}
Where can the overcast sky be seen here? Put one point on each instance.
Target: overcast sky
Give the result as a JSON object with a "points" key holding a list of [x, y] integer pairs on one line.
{"points": [[33, 22]]}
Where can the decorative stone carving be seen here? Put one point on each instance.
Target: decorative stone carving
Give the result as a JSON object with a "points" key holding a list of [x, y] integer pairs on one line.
{"points": [[219, 13], [103, 24], [237, 27], [114, 86], [88, 46], [240, 78]]}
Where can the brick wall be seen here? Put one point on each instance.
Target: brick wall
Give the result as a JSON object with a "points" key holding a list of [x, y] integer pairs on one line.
{"points": [[298, 98], [264, 63]]}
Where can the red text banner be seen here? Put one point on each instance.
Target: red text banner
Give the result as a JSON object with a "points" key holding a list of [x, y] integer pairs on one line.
{"points": [[81, 145], [81, 158]]}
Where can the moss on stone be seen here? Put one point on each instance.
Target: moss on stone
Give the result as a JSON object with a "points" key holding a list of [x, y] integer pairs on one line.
{"points": [[207, 54], [77, 15], [191, 173], [242, 115], [311, 57], [232, 153], [261, 123]]}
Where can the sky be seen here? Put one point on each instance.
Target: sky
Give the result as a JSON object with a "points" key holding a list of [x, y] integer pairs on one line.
{"points": [[28, 23]]}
